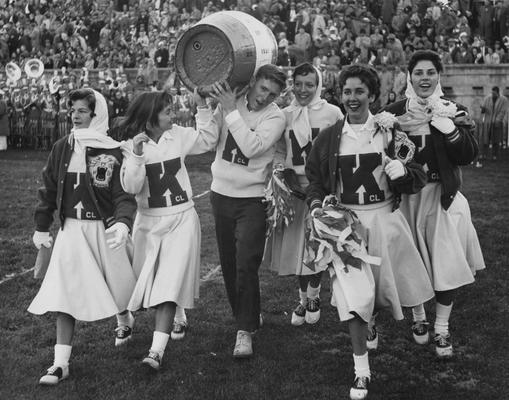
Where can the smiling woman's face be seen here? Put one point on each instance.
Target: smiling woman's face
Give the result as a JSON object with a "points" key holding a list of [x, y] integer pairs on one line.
{"points": [[424, 78]]}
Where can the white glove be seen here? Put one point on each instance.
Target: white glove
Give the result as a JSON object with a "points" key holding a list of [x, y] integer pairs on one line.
{"points": [[443, 124], [42, 239], [117, 233], [395, 169]]}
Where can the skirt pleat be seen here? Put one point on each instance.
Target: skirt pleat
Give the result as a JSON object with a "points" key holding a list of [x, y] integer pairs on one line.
{"points": [[85, 278], [401, 280], [166, 260], [446, 239]]}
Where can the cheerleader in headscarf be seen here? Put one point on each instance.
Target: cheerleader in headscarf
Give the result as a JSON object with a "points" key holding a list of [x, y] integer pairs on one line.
{"points": [[307, 114], [357, 162], [89, 276], [439, 215]]}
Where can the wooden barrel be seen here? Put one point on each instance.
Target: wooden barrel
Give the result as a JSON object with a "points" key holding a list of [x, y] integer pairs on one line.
{"points": [[227, 45]]}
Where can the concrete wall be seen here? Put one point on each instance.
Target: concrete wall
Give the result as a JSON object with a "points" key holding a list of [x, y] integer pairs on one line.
{"points": [[469, 84]]}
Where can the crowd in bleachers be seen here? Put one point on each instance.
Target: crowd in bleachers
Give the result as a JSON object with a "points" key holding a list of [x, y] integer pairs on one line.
{"points": [[101, 34], [116, 35]]}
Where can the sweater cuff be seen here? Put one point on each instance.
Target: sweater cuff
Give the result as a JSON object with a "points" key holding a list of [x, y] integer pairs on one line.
{"points": [[315, 204], [136, 159], [232, 117], [454, 136]]}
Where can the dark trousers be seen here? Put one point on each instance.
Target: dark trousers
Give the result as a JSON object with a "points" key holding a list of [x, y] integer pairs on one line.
{"points": [[240, 233]]}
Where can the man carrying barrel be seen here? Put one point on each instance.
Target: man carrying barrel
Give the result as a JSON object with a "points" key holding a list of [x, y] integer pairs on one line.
{"points": [[247, 128]]}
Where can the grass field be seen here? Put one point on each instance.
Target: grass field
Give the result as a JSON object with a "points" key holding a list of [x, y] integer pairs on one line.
{"points": [[308, 362]]}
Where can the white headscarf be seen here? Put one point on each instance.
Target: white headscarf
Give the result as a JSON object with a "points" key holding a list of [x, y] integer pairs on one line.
{"points": [[300, 114], [96, 135], [414, 98], [417, 115]]}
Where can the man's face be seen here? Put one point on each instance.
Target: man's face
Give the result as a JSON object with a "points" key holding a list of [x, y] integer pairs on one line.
{"points": [[494, 94], [262, 93]]}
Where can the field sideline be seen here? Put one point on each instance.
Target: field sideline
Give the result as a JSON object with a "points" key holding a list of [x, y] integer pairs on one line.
{"points": [[309, 362]]}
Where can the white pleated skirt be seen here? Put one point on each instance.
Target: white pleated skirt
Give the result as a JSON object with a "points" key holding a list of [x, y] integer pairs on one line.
{"points": [[402, 279], [446, 239], [166, 260], [85, 278], [353, 291]]}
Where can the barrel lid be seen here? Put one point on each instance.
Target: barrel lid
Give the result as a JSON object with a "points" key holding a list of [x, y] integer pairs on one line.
{"points": [[204, 55]]}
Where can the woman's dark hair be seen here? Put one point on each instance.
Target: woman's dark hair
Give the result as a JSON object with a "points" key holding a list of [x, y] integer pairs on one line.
{"points": [[366, 74], [144, 108], [272, 73], [428, 55], [83, 94], [305, 69]]}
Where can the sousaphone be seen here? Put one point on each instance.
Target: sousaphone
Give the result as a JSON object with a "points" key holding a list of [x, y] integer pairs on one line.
{"points": [[34, 68], [12, 71]]}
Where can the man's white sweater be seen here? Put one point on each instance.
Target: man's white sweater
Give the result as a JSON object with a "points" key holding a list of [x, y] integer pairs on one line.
{"points": [[245, 147]]}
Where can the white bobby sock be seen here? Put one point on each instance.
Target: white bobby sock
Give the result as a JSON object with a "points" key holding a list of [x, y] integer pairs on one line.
{"points": [[303, 295], [419, 313], [62, 354], [442, 318], [361, 365], [126, 319], [159, 342], [313, 293], [180, 314]]}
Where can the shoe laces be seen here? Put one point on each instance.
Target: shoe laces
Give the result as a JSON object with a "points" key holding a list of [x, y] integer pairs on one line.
{"points": [[361, 382], [122, 331], [420, 327], [442, 339], [300, 310], [179, 326], [51, 370], [154, 355], [313, 304]]}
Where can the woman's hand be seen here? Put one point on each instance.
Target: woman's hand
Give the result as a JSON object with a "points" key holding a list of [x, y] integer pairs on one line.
{"points": [[138, 141], [42, 239], [395, 170], [117, 235], [443, 124]]}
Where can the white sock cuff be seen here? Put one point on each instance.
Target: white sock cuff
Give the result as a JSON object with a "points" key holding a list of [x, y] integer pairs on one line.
{"points": [[126, 319], [303, 296], [442, 318], [419, 313], [62, 354], [361, 365], [313, 293], [180, 314], [159, 342]]}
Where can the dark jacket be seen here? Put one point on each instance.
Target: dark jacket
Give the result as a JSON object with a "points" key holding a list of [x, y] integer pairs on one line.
{"points": [[450, 154], [322, 169], [112, 203]]}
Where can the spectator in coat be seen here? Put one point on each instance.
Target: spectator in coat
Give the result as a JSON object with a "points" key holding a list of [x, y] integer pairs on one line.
{"points": [[495, 109]]}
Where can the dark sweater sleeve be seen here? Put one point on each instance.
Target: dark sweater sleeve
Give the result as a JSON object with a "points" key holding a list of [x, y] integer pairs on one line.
{"points": [[124, 203], [461, 146], [47, 194], [317, 171], [413, 181]]}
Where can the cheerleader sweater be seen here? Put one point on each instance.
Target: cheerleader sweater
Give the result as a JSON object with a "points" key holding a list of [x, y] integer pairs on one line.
{"points": [[245, 147], [110, 201], [158, 177], [288, 151]]}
